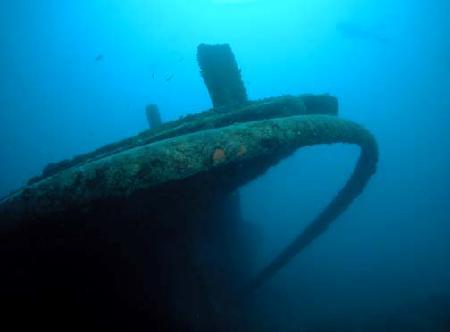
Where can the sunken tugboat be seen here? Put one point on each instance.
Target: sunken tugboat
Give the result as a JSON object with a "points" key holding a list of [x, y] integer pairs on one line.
{"points": [[146, 233]]}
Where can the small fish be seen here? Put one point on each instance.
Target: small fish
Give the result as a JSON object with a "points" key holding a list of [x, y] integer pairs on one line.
{"points": [[99, 57], [169, 78], [153, 75]]}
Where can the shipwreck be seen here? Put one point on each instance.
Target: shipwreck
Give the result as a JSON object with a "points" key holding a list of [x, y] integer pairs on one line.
{"points": [[146, 233]]}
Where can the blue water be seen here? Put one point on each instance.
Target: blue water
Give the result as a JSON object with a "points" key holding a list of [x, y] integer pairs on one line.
{"points": [[76, 75]]}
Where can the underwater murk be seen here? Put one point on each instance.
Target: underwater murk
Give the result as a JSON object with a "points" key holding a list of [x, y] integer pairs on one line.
{"points": [[225, 165]]}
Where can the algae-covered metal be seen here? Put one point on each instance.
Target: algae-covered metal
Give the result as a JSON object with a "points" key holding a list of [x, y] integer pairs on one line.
{"points": [[164, 199], [172, 152]]}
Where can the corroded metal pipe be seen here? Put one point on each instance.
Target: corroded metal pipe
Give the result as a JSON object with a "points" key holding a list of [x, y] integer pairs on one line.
{"points": [[221, 75], [365, 168], [153, 116]]}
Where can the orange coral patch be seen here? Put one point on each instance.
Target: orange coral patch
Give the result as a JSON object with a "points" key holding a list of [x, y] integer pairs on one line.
{"points": [[218, 155]]}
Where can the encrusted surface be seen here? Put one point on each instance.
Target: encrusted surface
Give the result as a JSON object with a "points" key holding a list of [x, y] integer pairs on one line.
{"points": [[215, 118], [154, 164]]}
